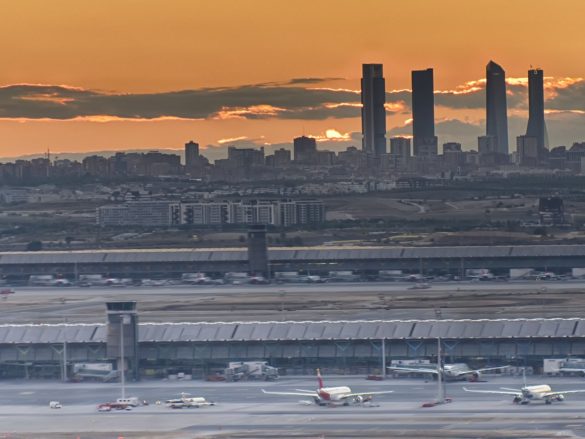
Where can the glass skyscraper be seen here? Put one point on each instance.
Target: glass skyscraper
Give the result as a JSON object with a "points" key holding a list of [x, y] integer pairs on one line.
{"points": [[373, 110], [496, 107], [536, 125], [424, 141]]}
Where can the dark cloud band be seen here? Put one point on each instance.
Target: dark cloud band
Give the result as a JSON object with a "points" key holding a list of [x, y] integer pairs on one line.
{"points": [[295, 99]]}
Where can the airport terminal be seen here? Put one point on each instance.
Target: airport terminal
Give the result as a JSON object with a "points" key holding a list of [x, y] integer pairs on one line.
{"points": [[296, 347], [346, 347], [315, 260]]}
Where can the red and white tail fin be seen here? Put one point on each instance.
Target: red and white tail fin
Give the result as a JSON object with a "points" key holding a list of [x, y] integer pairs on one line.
{"points": [[319, 379]]}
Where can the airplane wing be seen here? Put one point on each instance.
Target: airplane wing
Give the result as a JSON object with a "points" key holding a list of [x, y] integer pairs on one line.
{"points": [[415, 370], [495, 392], [351, 395], [485, 369], [311, 394], [563, 392]]}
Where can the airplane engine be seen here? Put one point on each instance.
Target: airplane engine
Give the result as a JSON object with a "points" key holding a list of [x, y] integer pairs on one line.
{"points": [[517, 400], [560, 397], [318, 401], [360, 399]]}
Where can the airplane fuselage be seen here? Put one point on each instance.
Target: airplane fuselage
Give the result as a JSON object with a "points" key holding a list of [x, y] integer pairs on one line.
{"points": [[459, 371], [333, 395], [539, 392]]}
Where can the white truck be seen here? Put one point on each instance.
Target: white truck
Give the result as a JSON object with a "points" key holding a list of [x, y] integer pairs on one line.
{"points": [[250, 370], [563, 366]]}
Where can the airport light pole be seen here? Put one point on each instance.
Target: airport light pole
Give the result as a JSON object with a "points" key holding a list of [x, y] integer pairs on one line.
{"points": [[440, 369], [282, 297], [384, 358], [440, 383], [65, 360]]}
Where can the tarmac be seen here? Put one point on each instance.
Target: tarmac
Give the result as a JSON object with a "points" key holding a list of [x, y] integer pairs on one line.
{"points": [[243, 411], [329, 301]]}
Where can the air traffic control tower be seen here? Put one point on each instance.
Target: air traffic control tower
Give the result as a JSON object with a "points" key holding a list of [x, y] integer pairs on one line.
{"points": [[258, 251], [122, 339]]}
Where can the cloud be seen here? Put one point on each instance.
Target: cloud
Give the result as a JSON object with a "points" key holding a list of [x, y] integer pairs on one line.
{"points": [[294, 99], [247, 101], [571, 97], [295, 81]]}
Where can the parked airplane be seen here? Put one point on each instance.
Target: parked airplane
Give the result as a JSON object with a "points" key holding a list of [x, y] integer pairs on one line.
{"points": [[450, 372], [342, 395], [530, 393], [187, 402]]}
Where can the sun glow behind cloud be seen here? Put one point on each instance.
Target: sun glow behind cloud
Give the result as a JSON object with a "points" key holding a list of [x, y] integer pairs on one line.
{"points": [[247, 112]]}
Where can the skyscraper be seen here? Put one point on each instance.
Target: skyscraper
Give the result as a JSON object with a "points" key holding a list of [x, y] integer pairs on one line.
{"points": [[373, 110], [423, 113], [305, 149], [496, 107], [191, 153], [536, 125]]}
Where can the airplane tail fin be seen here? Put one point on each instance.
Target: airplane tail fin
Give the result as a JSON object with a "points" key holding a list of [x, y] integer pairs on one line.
{"points": [[319, 379]]}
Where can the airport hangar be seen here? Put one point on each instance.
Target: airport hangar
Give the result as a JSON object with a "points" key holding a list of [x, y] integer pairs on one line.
{"points": [[317, 260], [156, 349]]}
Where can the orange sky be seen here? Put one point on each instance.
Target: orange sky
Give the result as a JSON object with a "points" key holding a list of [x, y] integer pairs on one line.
{"points": [[136, 46]]}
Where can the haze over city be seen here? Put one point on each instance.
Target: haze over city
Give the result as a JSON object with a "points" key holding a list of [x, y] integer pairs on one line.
{"points": [[135, 75]]}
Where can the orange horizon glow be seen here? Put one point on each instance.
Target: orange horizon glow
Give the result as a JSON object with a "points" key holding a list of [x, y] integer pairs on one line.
{"points": [[116, 48]]}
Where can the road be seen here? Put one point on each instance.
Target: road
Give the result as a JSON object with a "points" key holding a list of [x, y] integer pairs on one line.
{"points": [[243, 411], [333, 287], [383, 300]]}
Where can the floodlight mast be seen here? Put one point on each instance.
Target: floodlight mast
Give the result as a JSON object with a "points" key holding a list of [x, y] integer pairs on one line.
{"points": [[440, 383]]}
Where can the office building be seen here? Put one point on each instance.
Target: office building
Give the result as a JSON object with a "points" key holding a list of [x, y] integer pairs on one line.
{"points": [[305, 149], [399, 152], [280, 159], [423, 113], [487, 145], [191, 154], [281, 212], [400, 147], [373, 110], [451, 147], [527, 150], [536, 124], [496, 107], [246, 157]]}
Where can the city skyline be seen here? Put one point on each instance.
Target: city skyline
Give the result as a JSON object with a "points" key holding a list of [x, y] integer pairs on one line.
{"points": [[115, 77]]}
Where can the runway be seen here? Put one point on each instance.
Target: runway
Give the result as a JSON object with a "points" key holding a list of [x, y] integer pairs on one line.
{"points": [[243, 411], [330, 301]]}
